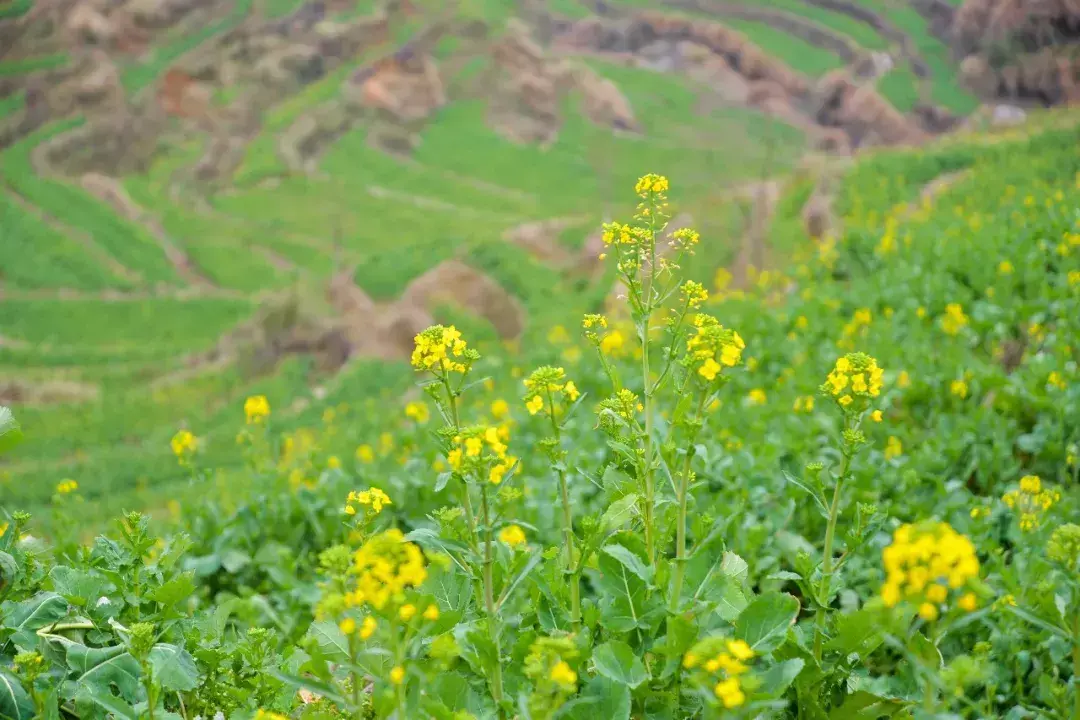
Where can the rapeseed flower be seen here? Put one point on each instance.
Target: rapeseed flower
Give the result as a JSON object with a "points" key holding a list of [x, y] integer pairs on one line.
{"points": [[712, 347], [954, 320], [373, 498], [417, 411], [256, 409], [1031, 501], [184, 445], [512, 535], [67, 487], [442, 350], [855, 379], [924, 564], [382, 569]]}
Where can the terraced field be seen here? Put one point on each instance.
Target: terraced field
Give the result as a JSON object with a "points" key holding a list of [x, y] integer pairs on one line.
{"points": [[123, 291]]}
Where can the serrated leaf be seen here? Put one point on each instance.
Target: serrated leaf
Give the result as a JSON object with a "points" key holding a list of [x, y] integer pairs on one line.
{"points": [[173, 667], [175, 590], [619, 512], [616, 661], [15, 702], [859, 632], [765, 621]]}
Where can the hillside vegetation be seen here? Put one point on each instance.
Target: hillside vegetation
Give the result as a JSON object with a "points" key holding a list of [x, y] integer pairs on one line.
{"points": [[522, 361]]}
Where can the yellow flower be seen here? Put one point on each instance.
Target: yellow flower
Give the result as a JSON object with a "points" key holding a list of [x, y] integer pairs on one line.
{"points": [[740, 649], [845, 400], [418, 411], [1005, 267], [67, 487], [893, 448], [612, 344], [968, 602], [1031, 501], [563, 674], [365, 454], [709, 369], [499, 409], [594, 320], [256, 409], [397, 675], [651, 183], [383, 568], [571, 391], [757, 396], [730, 693], [512, 535], [958, 388], [347, 626], [184, 444], [954, 319], [903, 380], [407, 612], [936, 593], [535, 404], [876, 416], [431, 613], [368, 627], [333, 462], [441, 350], [691, 660], [928, 612]]}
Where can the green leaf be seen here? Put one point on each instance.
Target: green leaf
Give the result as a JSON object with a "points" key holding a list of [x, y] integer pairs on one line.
{"points": [[175, 590], [775, 680], [10, 432], [99, 668], [15, 702], [619, 512], [532, 562], [330, 640], [78, 586], [863, 705], [859, 632], [29, 616], [765, 621], [319, 688], [173, 667], [616, 661], [109, 702], [601, 698], [631, 561]]}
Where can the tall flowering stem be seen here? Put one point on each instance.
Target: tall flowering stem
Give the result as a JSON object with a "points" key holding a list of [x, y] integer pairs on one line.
{"points": [[709, 350], [476, 452], [543, 387], [853, 384]]}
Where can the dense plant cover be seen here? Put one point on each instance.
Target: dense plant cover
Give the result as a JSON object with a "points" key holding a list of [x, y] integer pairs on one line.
{"points": [[844, 492]]}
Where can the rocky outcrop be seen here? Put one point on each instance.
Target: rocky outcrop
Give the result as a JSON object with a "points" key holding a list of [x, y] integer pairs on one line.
{"points": [[1020, 50], [867, 118]]}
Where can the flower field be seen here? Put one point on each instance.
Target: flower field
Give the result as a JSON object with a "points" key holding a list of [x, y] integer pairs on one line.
{"points": [[842, 486]]}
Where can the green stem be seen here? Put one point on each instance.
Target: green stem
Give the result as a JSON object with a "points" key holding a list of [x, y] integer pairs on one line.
{"points": [[489, 603], [568, 522], [646, 311], [680, 527], [466, 499], [354, 679], [826, 562], [1076, 667]]}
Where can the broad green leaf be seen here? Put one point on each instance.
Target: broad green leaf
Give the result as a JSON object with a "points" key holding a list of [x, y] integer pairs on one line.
{"points": [[99, 668], [319, 688], [601, 698], [619, 512], [775, 680], [862, 705], [532, 562], [765, 621], [330, 640], [15, 702], [859, 632], [78, 586], [9, 569], [631, 561], [175, 590], [616, 661], [10, 432], [29, 616], [113, 705], [234, 560], [173, 667]]}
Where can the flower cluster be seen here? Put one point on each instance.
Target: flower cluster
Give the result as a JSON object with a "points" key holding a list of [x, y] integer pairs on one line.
{"points": [[373, 498], [722, 663], [712, 347], [1064, 545], [651, 184], [926, 562], [1031, 501], [184, 444], [954, 320], [545, 382], [482, 449], [694, 294], [67, 487], [855, 377], [256, 409], [383, 568], [441, 349], [685, 240], [618, 411], [512, 535]]}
